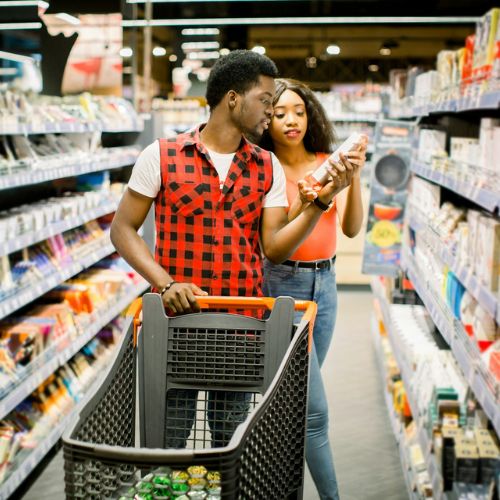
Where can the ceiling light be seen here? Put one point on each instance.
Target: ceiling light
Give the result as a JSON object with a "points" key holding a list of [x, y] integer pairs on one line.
{"points": [[172, 58], [373, 68], [68, 18], [159, 51], [10, 56], [24, 3], [199, 45], [224, 51], [259, 49], [126, 52], [311, 62], [225, 21], [203, 55], [385, 51], [333, 49], [8, 71], [20, 26], [200, 31]]}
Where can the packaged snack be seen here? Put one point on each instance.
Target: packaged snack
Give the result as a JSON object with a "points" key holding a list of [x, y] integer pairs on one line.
{"points": [[179, 489], [179, 476], [213, 476], [197, 471], [197, 483]]}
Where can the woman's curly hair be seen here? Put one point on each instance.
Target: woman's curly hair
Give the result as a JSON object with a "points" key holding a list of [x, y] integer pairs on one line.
{"points": [[319, 137]]}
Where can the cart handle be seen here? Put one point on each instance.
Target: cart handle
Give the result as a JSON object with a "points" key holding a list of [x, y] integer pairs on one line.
{"points": [[206, 302]]}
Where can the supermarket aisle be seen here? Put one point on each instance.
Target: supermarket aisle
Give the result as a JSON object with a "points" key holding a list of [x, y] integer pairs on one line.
{"points": [[365, 450]]}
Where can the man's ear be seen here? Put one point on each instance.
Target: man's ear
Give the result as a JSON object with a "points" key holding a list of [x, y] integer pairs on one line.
{"points": [[232, 99]]}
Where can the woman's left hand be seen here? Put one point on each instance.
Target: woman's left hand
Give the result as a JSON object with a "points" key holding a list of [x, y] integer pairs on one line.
{"points": [[356, 159]]}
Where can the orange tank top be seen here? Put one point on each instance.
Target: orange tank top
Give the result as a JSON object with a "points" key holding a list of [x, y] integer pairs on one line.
{"points": [[322, 242]]}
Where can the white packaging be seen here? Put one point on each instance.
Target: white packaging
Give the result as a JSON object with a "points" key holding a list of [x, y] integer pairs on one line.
{"points": [[488, 252], [320, 175], [473, 221], [430, 142], [486, 143]]}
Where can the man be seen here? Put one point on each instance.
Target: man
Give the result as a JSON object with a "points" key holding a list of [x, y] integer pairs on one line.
{"points": [[219, 202]]}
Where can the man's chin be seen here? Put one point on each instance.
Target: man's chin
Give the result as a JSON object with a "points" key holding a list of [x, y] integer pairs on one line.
{"points": [[253, 136]]}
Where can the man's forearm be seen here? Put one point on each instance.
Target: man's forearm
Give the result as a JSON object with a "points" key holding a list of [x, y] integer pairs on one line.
{"points": [[287, 239], [135, 251]]}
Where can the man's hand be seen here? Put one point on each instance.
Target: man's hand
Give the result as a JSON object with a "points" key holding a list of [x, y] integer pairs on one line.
{"points": [[180, 298]]}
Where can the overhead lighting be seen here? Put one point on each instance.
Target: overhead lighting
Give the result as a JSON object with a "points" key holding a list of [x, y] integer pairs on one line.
{"points": [[298, 20], [126, 52], [333, 49], [172, 58], [201, 1], [8, 71], [373, 68], [10, 56], [200, 31], [311, 62], [224, 51], [25, 3], [385, 51], [159, 51], [20, 26], [199, 45], [68, 18], [203, 55], [259, 49]]}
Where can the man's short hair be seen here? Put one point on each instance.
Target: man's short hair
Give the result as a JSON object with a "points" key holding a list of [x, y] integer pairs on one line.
{"points": [[239, 71]]}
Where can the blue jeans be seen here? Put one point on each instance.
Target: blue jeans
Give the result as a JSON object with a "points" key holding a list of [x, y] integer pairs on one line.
{"points": [[320, 286], [225, 411]]}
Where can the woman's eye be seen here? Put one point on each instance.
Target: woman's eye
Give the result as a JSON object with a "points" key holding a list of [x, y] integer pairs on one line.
{"points": [[279, 115]]}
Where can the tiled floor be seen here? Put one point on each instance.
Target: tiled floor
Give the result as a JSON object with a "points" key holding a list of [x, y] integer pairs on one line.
{"points": [[365, 451]]}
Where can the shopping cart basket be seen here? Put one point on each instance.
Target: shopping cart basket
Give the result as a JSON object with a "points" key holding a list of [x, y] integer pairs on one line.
{"points": [[205, 355]]}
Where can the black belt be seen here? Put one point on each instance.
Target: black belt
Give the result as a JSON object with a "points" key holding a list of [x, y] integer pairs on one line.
{"points": [[314, 264]]}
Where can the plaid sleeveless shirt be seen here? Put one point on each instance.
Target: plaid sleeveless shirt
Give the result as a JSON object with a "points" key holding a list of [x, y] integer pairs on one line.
{"points": [[205, 235]]}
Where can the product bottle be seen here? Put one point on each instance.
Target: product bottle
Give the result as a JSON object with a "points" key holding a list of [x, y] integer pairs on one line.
{"points": [[320, 176]]}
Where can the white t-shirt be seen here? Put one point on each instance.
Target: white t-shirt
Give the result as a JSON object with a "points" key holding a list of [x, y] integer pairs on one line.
{"points": [[146, 177]]}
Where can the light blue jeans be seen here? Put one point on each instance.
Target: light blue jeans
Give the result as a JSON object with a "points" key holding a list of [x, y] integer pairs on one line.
{"points": [[320, 286]]}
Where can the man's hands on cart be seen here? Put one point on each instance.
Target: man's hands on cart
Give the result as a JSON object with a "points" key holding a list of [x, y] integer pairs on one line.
{"points": [[181, 297]]}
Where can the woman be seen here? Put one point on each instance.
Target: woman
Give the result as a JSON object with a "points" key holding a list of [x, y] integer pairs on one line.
{"points": [[301, 136]]}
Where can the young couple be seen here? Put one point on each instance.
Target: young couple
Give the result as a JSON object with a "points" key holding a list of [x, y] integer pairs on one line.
{"points": [[221, 201]]}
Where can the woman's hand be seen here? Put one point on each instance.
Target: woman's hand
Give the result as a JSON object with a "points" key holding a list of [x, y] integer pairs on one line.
{"points": [[358, 158]]}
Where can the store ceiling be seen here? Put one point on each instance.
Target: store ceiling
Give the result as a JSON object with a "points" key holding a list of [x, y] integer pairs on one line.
{"points": [[290, 45]]}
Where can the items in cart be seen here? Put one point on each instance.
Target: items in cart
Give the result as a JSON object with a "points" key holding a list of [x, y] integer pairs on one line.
{"points": [[194, 483]]}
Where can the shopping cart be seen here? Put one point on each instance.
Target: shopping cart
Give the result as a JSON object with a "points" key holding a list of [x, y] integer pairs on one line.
{"points": [[207, 355]]}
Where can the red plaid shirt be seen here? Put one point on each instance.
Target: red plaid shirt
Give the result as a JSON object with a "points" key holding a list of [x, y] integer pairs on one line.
{"points": [[205, 235]]}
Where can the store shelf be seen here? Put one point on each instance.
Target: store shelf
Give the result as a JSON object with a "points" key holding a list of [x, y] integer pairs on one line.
{"points": [[65, 128], [97, 250], [28, 239], [486, 298], [465, 351], [397, 427], [489, 100], [22, 471], [406, 376], [58, 355], [483, 197], [123, 157], [355, 117]]}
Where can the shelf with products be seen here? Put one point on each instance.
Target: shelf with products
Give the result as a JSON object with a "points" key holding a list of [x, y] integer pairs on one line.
{"points": [[489, 100], [65, 348], [488, 299], [54, 420], [397, 427], [476, 191], [39, 114], [106, 159], [89, 254], [406, 374], [466, 352], [25, 240]]}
